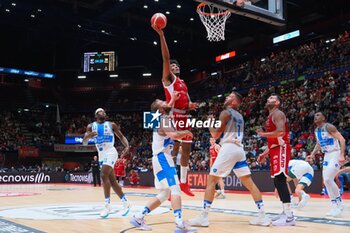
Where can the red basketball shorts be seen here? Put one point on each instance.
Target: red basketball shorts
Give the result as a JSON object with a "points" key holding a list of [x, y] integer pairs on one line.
{"points": [[279, 159]]}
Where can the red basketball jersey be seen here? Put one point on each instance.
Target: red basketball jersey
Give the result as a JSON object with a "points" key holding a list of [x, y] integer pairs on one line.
{"points": [[180, 86], [119, 167], [213, 154], [270, 127]]}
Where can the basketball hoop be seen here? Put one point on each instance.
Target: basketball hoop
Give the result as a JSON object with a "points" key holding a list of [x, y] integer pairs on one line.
{"points": [[214, 20]]}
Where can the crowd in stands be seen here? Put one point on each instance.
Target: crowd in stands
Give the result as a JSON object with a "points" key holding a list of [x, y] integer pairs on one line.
{"points": [[306, 59], [301, 99]]}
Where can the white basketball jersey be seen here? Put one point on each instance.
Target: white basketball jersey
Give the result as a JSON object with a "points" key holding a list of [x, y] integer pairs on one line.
{"points": [[327, 142], [161, 143], [234, 128], [104, 140]]}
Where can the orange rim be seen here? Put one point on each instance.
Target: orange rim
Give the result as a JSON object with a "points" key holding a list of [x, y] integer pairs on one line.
{"points": [[210, 14]]}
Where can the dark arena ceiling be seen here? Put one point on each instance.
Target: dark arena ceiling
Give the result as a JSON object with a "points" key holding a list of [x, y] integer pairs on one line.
{"points": [[51, 35]]}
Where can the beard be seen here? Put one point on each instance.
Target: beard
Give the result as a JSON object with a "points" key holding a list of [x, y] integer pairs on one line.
{"points": [[101, 118]]}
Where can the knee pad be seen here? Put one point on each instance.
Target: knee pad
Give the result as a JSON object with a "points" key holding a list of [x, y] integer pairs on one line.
{"points": [[163, 195], [175, 190]]}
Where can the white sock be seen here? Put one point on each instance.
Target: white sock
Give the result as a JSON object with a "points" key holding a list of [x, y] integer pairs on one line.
{"points": [[287, 210], [183, 175], [303, 194]]}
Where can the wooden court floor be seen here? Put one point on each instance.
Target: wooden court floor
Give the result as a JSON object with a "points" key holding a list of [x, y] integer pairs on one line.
{"points": [[75, 208]]}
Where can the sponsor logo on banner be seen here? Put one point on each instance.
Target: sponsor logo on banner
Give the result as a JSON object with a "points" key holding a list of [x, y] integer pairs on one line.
{"points": [[28, 152], [199, 180], [74, 148], [31, 178], [80, 178], [25, 178]]}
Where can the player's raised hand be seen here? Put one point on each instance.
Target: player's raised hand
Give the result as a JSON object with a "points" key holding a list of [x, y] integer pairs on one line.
{"points": [[159, 31]]}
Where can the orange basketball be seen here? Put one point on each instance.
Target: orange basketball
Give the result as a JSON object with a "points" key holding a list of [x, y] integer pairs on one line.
{"points": [[159, 20]]}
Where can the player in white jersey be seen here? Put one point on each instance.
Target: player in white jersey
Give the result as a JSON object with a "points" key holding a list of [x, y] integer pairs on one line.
{"points": [[328, 139], [165, 176], [231, 157], [103, 133], [301, 173]]}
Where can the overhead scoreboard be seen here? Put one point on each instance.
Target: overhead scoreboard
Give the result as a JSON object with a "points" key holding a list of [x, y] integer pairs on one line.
{"points": [[99, 61]]}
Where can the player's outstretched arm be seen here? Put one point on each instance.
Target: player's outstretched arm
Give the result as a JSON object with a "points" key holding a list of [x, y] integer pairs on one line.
{"points": [[88, 134], [167, 77], [122, 138]]}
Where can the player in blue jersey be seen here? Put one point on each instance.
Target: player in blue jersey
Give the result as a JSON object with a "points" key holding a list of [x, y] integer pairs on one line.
{"points": [[332, 144], [103, 132], [165, 176], [231, 157]]}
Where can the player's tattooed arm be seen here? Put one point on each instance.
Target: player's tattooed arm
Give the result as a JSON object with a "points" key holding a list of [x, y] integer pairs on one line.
{"points": [[216, 132]]}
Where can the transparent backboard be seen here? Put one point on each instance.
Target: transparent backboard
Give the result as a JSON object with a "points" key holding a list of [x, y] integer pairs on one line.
{"points": [[268, 11]]}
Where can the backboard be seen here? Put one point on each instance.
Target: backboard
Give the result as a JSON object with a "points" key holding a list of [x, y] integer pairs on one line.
{"points": [[268, 11]]}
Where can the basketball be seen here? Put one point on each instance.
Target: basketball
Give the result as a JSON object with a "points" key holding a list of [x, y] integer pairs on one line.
{"points": [[159, 20]]}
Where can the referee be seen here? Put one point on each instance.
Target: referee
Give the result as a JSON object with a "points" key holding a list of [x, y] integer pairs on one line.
{"points": [[95, 167]]}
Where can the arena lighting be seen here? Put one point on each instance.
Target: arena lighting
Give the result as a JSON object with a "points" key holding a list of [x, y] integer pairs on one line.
{"points": [[26, 72], [219, 96], [286, 36], [262, 59], [13, 4], [147, 74], [26, 110], [214, 73], [167, 12], [47, 106], [332, 40], [81, 76], [145, 6], [225, 56], [113, 75], [155, 42], [178, 6], [191, 19], [26, 80]]}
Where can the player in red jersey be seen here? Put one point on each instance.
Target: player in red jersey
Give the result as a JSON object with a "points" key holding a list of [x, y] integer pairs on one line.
{"points": [[119, 170], [213, 152], [277, 134], [172, 82]]}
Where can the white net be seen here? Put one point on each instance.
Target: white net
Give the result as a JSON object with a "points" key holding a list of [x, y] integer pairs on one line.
{"points": [[214, 20]]}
